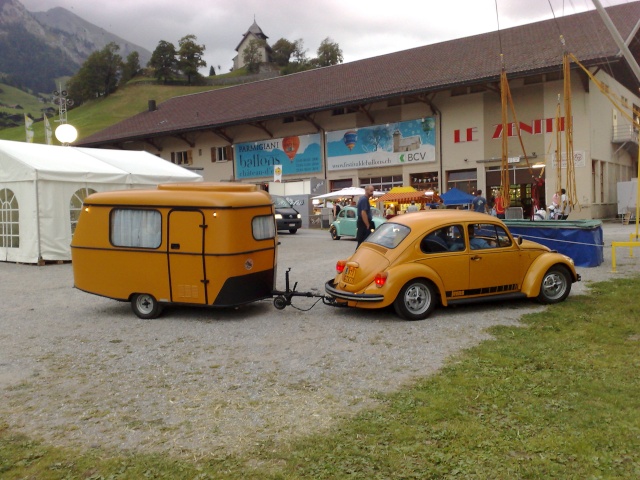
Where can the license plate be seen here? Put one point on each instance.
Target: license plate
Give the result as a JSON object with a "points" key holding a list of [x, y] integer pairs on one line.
{"points": [[349, 274], [292, 224]]}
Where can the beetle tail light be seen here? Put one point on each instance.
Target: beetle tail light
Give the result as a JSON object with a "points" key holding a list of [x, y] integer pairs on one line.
{"points": [[381, 279], [340, 266]]}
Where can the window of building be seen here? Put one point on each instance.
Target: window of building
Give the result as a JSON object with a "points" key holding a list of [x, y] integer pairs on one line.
{"points": [[222, 154], [477, 88], [182, 158], [75, 205], [340, 184], [9, 220], [382, 184], [465, 180], [135, 228], [344, 111], [531, 79], [602, 166], [292, 119], [594, 176], [457, 91]]}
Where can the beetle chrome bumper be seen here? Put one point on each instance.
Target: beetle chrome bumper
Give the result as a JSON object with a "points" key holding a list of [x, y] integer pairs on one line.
{"points": [[330, 288]]}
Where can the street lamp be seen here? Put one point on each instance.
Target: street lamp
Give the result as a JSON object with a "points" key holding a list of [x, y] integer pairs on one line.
{"points": [[66, 133]]}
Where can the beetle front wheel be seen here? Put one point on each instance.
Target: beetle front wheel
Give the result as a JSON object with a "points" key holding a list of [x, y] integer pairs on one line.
{"points": [[416, 300], [555, 286], [145, 306]]}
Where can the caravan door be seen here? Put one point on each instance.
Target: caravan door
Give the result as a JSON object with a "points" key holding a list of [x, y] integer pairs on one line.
{"points": [[186, 231]]}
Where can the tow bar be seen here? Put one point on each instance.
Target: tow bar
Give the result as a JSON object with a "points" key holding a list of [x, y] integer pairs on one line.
{"points": [[283, 299]]}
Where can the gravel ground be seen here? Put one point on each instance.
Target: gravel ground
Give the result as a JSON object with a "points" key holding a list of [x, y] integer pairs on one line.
{"points": [[80, 370]]}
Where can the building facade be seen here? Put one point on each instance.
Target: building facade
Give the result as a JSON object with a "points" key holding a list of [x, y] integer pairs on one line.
{"points": [[441, 130]]}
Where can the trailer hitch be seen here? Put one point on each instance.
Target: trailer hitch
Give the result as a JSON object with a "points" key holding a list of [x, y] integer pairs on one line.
{"points": [[283, 299]]}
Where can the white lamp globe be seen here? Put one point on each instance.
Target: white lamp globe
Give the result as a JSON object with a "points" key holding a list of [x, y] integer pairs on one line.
{"points": [[66, 133]]}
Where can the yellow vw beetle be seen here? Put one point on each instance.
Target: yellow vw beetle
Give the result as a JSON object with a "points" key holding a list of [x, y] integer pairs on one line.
{"points": [[418, 261]]}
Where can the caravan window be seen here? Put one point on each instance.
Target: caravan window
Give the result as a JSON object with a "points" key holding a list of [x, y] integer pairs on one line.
{"points": [[263, 227], [136, 228]]}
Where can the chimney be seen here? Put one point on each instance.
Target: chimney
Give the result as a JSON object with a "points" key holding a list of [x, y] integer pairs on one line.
{"points": [[152, 105]]}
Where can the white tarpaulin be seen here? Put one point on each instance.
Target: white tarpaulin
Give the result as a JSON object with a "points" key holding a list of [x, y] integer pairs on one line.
{"points": [[42, 187]]}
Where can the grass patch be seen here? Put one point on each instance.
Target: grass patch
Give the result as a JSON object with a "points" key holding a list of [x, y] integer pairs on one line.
{"points": [[97, 115], [556, 398]]}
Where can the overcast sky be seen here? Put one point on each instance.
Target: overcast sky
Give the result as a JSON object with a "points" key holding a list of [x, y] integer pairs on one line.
{"points": [[362, 28]]}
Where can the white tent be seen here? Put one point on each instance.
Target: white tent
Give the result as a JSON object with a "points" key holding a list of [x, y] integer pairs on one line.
{"points": [[42, 188]]}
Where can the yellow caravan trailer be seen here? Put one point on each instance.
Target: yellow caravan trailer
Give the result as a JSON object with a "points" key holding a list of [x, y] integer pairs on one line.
{"points": [[191, 244]]}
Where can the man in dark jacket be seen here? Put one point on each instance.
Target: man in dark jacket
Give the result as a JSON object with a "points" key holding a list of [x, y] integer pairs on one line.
{"points": [[364, 222]]}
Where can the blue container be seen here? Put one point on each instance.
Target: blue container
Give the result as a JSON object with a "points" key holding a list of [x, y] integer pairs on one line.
{"points": [[581, 240]]}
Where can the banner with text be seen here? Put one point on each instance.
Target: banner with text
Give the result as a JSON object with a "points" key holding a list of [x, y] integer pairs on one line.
{"points": [[400, 143], [295, 155]]}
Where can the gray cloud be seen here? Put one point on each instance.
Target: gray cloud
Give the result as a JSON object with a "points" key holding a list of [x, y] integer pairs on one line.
{"points": [[362, 28]]}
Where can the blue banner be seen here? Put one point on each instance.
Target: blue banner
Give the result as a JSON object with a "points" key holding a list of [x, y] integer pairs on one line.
{"points": [[399, 143], [296, 155]]}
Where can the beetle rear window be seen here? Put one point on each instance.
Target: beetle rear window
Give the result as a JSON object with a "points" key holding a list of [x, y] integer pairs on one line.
{"points": [[389, 235]]}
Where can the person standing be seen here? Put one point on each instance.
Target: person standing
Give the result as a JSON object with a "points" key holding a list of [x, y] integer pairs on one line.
{"points": [[499, 205], [336, 209], [565, 208], [480, 203], [364, 221], [413, 207]]}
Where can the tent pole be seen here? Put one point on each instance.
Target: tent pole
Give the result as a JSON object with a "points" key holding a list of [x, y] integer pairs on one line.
{"points": [[35, 181]]}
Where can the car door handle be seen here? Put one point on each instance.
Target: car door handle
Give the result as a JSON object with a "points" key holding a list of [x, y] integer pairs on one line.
{"points": [[175, 246], [475, 258]]}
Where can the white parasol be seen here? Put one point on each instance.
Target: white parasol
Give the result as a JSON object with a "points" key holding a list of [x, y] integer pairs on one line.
{"points": [[346, 192]]}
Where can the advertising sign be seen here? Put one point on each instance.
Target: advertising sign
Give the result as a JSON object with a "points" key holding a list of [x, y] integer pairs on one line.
{"points": [[400, 143], [579, 159], [295, 155]]}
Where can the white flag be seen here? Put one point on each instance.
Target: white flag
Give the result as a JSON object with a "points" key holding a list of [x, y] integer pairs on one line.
{"points": [[28, 126], [47, 130], [277, 173]]}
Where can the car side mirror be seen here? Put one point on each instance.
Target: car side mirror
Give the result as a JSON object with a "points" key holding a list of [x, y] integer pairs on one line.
{"points": [[519, 240]]}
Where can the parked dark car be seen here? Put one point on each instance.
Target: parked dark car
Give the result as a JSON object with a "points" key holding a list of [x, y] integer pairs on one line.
{"points": [[287, 217]]}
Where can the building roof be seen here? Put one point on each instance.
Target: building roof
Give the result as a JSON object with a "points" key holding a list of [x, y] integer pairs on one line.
{"points": [[527, 50], [256, 31]]}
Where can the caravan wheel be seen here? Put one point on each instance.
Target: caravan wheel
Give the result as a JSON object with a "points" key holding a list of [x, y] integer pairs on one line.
{"points": [[145, 306]]}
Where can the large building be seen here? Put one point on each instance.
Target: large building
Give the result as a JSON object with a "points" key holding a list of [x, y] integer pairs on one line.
{"points": [[428, 117]]}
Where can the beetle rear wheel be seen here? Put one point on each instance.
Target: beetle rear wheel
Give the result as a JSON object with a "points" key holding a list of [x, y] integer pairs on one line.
{"points": [[555, 286], [145, 306], [416, 300], [334, 233]]}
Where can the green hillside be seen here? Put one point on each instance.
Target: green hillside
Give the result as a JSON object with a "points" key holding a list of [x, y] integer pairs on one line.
{"points": [[99, 114], [16, 103]]}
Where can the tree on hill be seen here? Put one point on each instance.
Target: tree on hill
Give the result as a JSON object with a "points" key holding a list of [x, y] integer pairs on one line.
{"points": [[130, 68], [190, 57], [163, 61], [98, 75], [299, 61], [281, 52], [212, 71], [252, 55], [329, 53]]}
